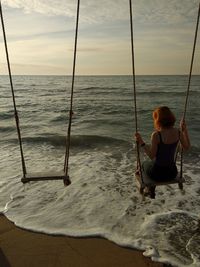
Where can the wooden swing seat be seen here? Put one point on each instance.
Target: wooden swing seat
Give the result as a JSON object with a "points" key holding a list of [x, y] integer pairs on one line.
{"points": [[44, 176], [148, 182]]}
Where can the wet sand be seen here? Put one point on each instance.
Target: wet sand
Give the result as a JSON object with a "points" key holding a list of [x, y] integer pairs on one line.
{"points": [[22, 248]]}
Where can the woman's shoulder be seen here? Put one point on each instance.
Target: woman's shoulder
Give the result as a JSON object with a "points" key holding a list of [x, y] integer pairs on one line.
{"points": [[155, 135]]}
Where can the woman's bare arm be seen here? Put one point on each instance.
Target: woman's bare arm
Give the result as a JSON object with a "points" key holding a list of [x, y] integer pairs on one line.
{"points": [[150, 150]]}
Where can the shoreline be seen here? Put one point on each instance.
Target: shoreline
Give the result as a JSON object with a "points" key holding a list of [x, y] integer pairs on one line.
{"points": [[24, 248]]}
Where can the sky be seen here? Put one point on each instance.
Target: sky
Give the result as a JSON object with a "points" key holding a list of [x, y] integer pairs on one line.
{"points": [[40, 36]]}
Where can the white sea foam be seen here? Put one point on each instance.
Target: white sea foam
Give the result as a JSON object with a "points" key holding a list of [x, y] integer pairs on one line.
{"points": [[103, 201]]}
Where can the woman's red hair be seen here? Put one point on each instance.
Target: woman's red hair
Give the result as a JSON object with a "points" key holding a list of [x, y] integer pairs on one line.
{"points": [[163, 117]]}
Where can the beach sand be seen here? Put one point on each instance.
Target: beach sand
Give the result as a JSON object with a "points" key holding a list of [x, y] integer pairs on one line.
{"points": [[22, 248]]}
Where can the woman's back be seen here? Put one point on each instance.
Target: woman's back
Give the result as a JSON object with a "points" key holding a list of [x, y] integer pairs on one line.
{"points": [[169, 135]]}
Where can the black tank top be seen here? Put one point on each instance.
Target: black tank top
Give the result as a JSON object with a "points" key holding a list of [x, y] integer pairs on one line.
{"points": [[165, 155]]}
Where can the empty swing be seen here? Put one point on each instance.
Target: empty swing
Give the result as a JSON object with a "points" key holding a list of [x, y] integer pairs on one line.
{"points": [[143, 180], [40, 176]]}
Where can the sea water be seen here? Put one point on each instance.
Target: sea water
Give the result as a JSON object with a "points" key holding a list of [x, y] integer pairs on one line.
{"points": [[103, 199]]}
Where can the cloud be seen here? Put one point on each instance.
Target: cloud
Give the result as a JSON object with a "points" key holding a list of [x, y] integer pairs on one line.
{"points": [[47, 7], [145, 11], [41, 32], [166, 12]]}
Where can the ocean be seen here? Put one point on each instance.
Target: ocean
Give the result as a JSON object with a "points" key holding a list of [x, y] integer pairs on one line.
{"points": [[103, 199]]}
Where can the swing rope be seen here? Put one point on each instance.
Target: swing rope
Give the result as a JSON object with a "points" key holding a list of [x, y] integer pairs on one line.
{"points": [[66, 161], [13, 94], [134, 89], [188, 86]]}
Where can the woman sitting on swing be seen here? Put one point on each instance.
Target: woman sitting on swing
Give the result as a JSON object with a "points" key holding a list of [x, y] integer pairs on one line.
{"points": [[164, 141]]}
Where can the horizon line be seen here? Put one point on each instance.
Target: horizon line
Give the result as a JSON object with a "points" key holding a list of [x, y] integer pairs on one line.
{"points": [[195, 74]]}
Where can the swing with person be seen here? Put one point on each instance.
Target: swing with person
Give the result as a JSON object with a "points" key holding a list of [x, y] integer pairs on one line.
{"points": [[166, 140]]}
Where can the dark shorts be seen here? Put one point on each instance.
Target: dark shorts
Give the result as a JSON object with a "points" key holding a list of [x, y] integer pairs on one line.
{"points": [[159, 173]]}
